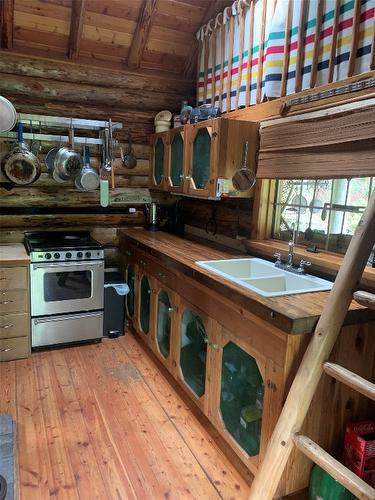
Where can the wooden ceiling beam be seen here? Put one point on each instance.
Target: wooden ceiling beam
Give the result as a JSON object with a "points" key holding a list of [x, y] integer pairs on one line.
{"points": [[92, 74], [6, 23], [76, 25], [141, 33]]}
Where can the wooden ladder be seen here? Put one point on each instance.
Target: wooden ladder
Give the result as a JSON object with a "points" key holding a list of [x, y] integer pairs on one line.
{"points": [[285, 435]]}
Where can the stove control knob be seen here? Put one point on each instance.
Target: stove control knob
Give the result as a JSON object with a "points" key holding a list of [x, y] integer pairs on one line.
{"points": [[79, 254], [56, 255], [88, 254], [48, 256], [68, 255]]}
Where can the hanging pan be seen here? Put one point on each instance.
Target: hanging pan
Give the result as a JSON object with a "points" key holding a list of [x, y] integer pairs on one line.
{"points": [[68, 162], [244, 179], [20, 166]]}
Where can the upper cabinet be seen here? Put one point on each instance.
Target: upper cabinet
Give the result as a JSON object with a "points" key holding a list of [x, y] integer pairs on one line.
{"points": [[200, 159]]}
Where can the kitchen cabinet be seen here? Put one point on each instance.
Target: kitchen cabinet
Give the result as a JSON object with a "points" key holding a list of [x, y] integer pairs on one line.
{"points": [[236, 358], [159, 161], [193, 354], [14, 313], [200, 159]]}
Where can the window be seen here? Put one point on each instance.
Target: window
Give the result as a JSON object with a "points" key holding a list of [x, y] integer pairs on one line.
{"points": [[325, 212]]}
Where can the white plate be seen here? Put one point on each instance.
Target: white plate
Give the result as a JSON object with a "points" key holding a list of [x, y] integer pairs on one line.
{"points": [[8, 115]]}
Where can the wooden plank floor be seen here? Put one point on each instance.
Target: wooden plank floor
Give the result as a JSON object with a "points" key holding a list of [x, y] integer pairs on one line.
{"points": [[101, 421]]}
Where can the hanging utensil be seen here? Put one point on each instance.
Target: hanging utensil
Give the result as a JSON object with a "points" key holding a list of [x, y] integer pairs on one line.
{"points": [[129, 160], [111, 158], [244, 179], [104, 172], [88, 178], [20, 166], [68, 162]]}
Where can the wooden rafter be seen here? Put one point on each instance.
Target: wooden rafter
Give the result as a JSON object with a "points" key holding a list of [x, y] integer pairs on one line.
{"points": [[141, 33], [76, 25], [6, 23]]}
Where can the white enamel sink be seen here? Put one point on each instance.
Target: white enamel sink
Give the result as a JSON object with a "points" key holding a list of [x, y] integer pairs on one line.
{"points": [[264, 278]]}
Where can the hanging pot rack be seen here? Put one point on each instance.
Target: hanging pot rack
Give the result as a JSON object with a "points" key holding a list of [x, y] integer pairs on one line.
{"points": [[59, 122]]}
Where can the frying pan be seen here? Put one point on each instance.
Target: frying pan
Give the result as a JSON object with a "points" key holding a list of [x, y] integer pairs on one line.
{"points": [[20, 166], [129, 160]]}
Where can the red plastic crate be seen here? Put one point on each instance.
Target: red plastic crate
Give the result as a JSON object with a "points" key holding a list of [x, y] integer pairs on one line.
{"points": [[359, 449]]}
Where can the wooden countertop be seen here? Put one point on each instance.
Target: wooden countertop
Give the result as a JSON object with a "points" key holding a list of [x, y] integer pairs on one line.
{"points": [[13, 255], [293, 313]]}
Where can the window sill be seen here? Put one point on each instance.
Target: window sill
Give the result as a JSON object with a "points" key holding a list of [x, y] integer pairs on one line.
{"points": [[322, 262]]}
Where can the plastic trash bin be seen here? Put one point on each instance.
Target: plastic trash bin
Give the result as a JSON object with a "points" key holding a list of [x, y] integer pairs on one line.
{"points": [[115, 289]]}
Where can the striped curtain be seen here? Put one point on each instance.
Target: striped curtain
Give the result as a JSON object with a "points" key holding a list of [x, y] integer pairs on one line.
{"points": [[319, 43]]}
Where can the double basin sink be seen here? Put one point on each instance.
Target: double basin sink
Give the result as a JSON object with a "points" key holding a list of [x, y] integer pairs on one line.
{"points": [[265, 278]]}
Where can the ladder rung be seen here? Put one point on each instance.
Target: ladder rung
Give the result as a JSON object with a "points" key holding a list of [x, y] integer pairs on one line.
{"points": [[365, 299], [351, 379], [336, 469]]}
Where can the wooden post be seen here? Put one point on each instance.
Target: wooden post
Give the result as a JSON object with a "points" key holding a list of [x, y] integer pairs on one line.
{"points": [[230, 57], [332, 56], [355, 37], [261, 52], [318, 29], [249, 52], [300, 47], [311, 368], [240, 57], [284, 74], [222, 56]]}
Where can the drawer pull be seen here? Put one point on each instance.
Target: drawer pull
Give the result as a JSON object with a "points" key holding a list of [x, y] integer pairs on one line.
{"points": [[170, 310], [6, 349], [5, 327], [6, 302]]}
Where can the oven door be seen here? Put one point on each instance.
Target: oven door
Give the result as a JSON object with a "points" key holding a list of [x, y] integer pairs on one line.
{"points": [[66, 287]]}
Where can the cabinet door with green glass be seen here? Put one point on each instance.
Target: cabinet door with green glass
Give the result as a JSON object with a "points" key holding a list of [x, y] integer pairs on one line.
{"points": [[165, 321], [176, 163], [131, 279], [193, 352], [144, 322], [159, 160], [201, 157], [239, 397]]}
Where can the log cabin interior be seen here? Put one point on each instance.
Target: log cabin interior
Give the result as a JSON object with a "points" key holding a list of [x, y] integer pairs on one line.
{"points": [[187, 249]]}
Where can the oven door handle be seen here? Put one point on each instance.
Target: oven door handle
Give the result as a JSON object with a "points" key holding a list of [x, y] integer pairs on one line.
{"points": [[67, 264], [38, 321]]}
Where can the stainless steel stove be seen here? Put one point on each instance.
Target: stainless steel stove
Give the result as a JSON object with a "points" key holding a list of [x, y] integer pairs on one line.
{"points": [[66, 287]]}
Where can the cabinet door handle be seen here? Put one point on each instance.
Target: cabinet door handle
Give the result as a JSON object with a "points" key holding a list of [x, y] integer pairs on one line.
{"points": [[6, 349], [188, 177], [5, 327], [128, 252], [6, 302], [215, 346], [162, 275], [170, 310]]}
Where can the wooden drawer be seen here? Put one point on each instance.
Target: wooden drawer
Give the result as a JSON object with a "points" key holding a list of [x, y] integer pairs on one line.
{"points": [[13, 278], [14, 348], [14, 325], [13, 301], [155, 269]]}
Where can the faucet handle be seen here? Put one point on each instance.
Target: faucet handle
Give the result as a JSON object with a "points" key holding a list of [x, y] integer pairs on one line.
{"points": [[277, 255], [303, 263]]}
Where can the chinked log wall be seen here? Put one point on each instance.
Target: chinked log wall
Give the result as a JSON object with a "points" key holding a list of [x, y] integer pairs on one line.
{"points": [[48, 87]]}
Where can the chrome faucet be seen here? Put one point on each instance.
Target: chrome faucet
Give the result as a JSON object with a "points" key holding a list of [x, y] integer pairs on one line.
{"points": [[291, 244], [289, 264]]}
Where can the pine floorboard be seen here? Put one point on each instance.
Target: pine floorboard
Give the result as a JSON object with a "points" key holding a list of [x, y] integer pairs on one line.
{"points": [[102, 421]]}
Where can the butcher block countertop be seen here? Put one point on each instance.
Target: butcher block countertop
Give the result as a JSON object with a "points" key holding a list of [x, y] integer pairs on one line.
{"points": [[13, 255], [294, 314]]}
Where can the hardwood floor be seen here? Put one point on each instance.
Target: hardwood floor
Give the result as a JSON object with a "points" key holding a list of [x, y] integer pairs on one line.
{"points": [[101, 421]]}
